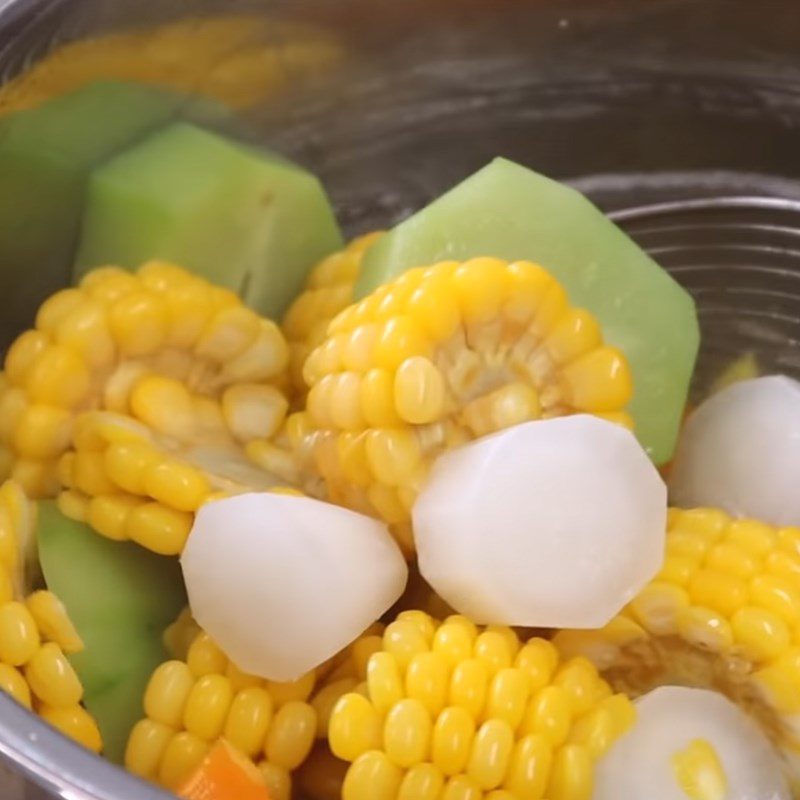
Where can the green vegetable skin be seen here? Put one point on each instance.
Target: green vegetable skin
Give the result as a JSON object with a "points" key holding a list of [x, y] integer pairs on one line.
{"points": [[120, 598], [251, 222], [46, 155], [510, 212]]}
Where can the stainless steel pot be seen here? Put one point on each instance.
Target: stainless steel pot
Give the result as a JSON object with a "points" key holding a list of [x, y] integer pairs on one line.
{"points": [[680, 117]]}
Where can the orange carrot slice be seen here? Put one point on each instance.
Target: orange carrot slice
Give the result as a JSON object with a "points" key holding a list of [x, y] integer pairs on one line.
{"points": [[224, 774]]}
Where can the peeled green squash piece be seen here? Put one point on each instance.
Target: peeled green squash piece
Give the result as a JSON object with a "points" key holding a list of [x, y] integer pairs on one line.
{"points": [[46, 156], [120, 598], [252, 222]]}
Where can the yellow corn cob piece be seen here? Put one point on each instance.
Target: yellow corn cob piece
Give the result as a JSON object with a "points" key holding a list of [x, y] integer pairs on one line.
{"points": [[328, 290], [200, 696], [454, 710], [168, 378], [160, 346], [439, 357], [724, 614], [36, 633]]}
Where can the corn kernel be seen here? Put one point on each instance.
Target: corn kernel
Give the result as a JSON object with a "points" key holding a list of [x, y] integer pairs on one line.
{"points": [[403, 640], [508, 697], [571, 775], [384, 681], [372, 777], [723, 593], [761, 634], [52, 678], [419, 391], [699, 772], [407, 733], [22, 354], [205, 657], [167, 692], [74, 722], [159, 528], [452, 738], [146, 745], [180, 758], [427, 680], [421, 782], [56, 307], [355, 727], [529, 767], [139, 323], [53, 622], [491, 753], [326, 699], [12, 683], [126, 464], [206, 706], [537, 659], [291, 735], [178, 486], [249, 719], [109, 515], [492, 649], [460, 787], [362, 650], [453, 642], [469, 686], [42, 431], [549, 713], [19, 636]]}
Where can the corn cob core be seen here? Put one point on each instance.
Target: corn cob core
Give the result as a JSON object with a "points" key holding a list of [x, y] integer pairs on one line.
{"points": [[36, 633], [724, 613], [328, 290], [439, 357], [452, 711], [161, 346], [200, 696]]}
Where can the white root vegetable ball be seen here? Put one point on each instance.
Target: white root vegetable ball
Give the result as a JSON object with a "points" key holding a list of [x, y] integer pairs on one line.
{"points": [[282, 582], [690, 743], [740, 451], [556, 523]]}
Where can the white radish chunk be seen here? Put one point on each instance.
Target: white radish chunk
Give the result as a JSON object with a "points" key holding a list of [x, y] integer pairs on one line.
{"points": [[740, 451], [557, 523], [690, 744], [282, 582]]}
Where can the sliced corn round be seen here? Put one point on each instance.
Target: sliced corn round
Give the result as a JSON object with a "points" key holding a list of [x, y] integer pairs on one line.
{"points": [[439, 357], [723, 613], [160, 346]]}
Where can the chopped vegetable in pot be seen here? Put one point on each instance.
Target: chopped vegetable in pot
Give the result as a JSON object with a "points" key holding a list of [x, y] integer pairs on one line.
{"points": [[281, 559]]}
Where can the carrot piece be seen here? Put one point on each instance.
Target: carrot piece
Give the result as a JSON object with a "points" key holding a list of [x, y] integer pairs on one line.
{"points": [[224, 774]]}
